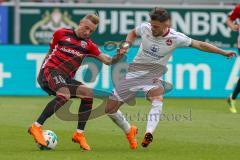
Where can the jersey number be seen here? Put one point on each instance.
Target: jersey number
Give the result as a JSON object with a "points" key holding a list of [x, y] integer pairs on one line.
{"points": [[58, 79]]}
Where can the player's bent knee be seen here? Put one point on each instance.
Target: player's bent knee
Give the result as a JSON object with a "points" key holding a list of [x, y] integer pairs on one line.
{"points": [[89, 93], [64, 92], [112, 107], [111, 110], [155, 93]]}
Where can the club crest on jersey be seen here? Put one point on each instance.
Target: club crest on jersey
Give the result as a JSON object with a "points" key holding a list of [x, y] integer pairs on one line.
{"points": [[83, 44], [154, 48], [169, 42]]}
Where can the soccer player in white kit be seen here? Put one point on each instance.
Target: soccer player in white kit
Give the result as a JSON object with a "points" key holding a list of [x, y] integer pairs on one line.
{"points": [[234, 16], [158, 43]]}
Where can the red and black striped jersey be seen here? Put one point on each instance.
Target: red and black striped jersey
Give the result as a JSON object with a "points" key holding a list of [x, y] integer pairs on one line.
{"points": [[235, 13], [68, 51]]}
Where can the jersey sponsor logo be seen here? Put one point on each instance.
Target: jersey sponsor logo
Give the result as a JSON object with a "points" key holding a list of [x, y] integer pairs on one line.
{"points": [[154, 48], [169, 42], [153, 54], [42, 31], [71, 51]]}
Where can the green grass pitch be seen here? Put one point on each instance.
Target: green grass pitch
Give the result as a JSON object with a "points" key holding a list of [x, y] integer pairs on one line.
{"points": [[199, 129]]}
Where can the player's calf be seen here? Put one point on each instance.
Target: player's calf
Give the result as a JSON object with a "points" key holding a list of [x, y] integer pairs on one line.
{"points": [[84, 92], [112, 106]]}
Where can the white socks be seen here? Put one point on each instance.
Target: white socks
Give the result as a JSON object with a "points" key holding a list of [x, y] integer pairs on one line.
{"points": [[79, 131], [154, 116], [119, 119], [37, 124]]}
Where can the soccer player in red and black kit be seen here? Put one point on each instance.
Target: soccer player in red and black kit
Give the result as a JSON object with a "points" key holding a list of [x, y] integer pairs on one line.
{"points": [[67, 50], [232, 17]]}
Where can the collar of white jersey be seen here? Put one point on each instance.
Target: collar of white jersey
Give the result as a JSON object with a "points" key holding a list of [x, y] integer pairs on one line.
{"points": [[166, 33]]}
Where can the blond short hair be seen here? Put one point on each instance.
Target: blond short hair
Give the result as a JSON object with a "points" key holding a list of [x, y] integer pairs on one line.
{"points": [[93, 18]]}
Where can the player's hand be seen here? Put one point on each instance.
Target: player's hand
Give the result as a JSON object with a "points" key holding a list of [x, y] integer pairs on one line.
{"points": [[230, 54], [123, 48], [122, 51]]}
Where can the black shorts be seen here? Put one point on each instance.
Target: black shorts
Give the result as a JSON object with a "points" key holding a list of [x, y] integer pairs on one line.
{"points": [[51, 80]]}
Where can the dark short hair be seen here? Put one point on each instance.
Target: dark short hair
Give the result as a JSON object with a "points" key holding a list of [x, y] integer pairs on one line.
{"points": [[159, 14]]}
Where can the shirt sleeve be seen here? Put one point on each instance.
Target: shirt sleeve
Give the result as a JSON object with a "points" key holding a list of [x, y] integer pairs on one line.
{"points": [[94, 50], [235, 13], [140, 29], [183, 40], [55, 38]]}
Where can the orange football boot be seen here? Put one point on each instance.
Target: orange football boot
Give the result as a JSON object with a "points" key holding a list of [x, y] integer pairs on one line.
{"points": [[37, 134], [80, 138], [131, 136]]}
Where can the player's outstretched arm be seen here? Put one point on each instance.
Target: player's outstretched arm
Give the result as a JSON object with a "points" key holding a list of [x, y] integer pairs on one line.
{"points": [[106, 59], [121, 51], [132, 35], [207, 47]]}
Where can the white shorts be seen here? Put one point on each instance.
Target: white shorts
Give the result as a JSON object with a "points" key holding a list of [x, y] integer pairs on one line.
{"points": [[133, 83]]}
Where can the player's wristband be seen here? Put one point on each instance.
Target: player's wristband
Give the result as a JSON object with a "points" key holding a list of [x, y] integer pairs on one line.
{"points": [[125, 44]]}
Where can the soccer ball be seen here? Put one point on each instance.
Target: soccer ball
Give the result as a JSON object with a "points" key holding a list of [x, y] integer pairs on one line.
{"points": [[51, 140]]}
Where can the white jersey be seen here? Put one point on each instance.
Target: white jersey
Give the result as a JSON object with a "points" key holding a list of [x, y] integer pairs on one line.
{"points": [[150, 63], [158, 49]]}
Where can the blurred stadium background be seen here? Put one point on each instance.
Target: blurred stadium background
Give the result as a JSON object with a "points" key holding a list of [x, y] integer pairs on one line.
{"points": [[196, 122]]}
